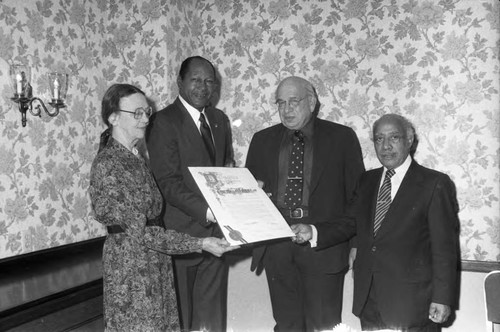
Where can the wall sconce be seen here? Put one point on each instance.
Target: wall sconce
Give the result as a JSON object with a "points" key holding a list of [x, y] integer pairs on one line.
{"points": [[20, 76]]}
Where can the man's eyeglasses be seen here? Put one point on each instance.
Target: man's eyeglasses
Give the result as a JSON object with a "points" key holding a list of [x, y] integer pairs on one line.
{"points": [[293, 102], [139, 112], [394, 139]]}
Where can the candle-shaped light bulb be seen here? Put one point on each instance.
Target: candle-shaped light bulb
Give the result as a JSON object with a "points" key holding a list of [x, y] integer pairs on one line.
{"points": [[19, 83], [56, 89]]}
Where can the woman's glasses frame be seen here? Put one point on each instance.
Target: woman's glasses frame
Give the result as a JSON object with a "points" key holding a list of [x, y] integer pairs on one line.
{"points": [[139, 112]]}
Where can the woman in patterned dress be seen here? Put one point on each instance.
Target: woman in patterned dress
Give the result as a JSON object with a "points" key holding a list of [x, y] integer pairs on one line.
{"points": [[138, 279]]}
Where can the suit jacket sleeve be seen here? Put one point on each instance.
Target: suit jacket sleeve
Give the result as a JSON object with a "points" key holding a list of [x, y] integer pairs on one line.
{"points": [[164, 152], [354, 166], [252, 158], [229, 152], [443, 226], [335, 232]]}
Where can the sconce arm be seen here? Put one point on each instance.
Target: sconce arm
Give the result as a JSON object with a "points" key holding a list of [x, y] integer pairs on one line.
{"points": [[25, 101], [38, 107], [42, 105]]}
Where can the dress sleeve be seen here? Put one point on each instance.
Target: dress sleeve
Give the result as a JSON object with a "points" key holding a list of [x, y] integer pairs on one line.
{"points": [[111, 197], [117, 202], [171, 242]]}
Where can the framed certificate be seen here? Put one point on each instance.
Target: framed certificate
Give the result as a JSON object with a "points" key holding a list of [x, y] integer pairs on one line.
{"points": [[243, 211]]}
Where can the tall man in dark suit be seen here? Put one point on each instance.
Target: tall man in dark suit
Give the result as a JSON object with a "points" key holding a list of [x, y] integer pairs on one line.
{"points": [[190, 132], [405, 218], [308, 185]]}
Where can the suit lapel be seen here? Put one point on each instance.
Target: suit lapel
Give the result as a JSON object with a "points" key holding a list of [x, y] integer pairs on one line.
{"points": [[373, 183], [217, 128], [321, 148], [407, 191], [190, 129], [274, 146]]}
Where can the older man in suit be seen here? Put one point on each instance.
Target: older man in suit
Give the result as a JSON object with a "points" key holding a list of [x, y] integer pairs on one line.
{"points": [[309, 168], [405, 218], [190, 132]]}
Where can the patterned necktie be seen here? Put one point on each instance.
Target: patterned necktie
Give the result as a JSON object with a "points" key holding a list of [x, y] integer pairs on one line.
{"points": [[383, 201], [293, 192], [206, 134]]}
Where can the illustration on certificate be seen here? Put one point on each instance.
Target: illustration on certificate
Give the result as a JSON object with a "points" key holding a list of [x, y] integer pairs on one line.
{"points": [[242, 209]]}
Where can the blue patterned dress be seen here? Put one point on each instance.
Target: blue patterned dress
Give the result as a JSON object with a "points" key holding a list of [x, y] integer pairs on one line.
{"points": [[139, 292]]}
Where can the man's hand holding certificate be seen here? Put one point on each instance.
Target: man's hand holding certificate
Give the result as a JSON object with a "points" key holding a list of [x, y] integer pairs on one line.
{"points": [[243, 211]]}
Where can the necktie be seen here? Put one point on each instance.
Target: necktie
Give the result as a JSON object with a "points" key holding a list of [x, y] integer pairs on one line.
{"points": [[206, 134], [383, 201], [293, 192]]}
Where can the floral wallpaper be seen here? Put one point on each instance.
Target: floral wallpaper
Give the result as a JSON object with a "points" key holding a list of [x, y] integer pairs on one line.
{"points": [[435, 62]]}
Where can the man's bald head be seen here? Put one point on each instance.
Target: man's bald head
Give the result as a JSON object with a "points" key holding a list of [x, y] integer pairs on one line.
{"points": [[296, 100]]}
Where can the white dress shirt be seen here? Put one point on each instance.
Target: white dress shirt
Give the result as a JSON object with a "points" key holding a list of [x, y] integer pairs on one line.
{"points": [[396, 179], [195, 114]]}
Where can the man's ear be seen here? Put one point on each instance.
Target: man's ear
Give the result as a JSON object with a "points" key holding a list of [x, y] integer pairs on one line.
{"points": [[179, 82], [312, 103], [410, 141]]}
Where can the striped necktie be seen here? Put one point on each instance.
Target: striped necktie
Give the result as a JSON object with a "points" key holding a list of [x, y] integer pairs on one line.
{"points": [[383, 201]]}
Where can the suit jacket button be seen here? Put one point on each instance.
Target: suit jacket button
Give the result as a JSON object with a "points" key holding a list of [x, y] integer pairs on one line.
{"points": [[374, 248]]}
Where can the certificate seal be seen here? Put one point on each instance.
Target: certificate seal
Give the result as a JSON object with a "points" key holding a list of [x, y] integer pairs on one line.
{"points": [[235, 235]]}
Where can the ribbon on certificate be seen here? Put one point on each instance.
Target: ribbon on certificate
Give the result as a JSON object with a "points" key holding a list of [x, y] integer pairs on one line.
{"points": [[235, 235]]}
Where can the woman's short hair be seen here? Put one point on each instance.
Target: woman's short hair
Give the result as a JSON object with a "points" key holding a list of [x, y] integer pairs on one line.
{"points": [[112, 97], [110, 104]]}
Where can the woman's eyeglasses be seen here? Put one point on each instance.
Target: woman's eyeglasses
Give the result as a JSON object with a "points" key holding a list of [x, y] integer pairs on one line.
{"points": [[139, 112]]}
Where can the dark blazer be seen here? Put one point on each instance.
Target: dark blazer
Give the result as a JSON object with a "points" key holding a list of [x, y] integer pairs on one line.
{"points": [[174, 143], [414, 258], [336, 167]]}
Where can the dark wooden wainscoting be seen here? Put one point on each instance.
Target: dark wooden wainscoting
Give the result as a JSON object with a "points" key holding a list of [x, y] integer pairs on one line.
{"points": [[59, 289]]}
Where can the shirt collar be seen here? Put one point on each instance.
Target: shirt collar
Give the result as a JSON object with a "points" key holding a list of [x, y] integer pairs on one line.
{"points": [[307, 130], [401, 170], [195, 114]]}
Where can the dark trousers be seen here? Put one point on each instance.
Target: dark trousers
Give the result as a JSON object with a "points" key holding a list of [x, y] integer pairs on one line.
{"points": [[303, 297], [371, 320], [202, 292]]}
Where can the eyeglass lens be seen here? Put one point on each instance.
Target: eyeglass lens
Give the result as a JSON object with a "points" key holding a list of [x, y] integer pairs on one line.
{"points": [[140, 111]]}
